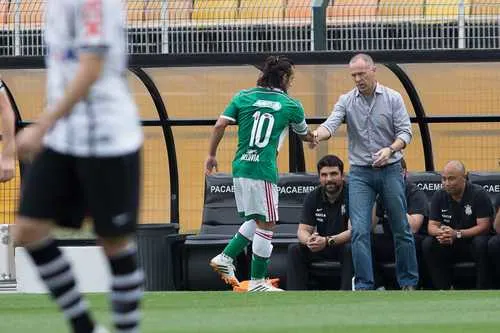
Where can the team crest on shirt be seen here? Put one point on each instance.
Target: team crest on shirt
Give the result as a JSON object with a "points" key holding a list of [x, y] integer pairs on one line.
{"points": [[468, 210]]}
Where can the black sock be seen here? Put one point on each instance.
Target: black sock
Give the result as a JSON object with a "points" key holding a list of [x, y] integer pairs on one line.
{"points": [[57, 275], [126, 290]]}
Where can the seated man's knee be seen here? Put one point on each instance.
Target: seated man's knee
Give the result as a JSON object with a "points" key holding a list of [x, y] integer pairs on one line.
{"points": [[294, 249], [347, 247], [27, 230], [429, 244], [418, 239], [480, 242], [494, 246]]}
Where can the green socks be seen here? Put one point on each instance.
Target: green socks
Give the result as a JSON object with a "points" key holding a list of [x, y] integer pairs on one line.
{"points": [[235, 246]]}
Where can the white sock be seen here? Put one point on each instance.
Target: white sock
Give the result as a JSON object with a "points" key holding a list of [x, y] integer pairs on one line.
{"points": [[247, 229], [262, 243]]}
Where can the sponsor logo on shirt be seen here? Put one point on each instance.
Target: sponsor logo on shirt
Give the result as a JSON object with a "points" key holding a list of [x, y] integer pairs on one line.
{"points": [[92, 17], [121, 219], [250, 156], [261, 103], [320, 216]]}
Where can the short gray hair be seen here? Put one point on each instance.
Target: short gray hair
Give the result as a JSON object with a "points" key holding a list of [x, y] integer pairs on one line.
{"points": [[363, 56]]}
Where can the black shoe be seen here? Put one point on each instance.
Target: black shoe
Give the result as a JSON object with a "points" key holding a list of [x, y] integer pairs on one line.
{"points": [[408, 288]]}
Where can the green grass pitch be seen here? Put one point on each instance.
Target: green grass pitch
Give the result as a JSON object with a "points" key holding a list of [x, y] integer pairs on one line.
{"points": [[218, 312]]}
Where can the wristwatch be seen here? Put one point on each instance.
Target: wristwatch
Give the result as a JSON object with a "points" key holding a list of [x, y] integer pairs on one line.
{"points": [[392, 150], [459, 234], [331, 241]]}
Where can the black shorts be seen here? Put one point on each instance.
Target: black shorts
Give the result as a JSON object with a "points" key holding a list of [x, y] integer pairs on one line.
{"points": [[66, 188]]}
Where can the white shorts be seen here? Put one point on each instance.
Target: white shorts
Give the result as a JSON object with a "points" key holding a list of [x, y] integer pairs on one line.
{"points": [[256, 199]]}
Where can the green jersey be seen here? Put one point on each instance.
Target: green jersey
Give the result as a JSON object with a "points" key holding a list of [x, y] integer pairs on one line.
{"points": [[263, 116]]}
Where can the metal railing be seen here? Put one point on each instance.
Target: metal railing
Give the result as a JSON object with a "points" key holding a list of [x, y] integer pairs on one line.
{"points": [[241, 26]]}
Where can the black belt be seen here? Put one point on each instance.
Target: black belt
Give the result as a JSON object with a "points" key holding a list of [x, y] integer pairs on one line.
{"points": [[380, 167]]}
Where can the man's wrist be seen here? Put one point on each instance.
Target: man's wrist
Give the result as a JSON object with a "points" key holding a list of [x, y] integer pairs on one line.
{"points": [[330, 241], [393, 151]]}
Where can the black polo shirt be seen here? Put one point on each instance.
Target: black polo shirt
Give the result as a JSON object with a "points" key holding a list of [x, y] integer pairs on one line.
{"points": [[328, 218], [461, 215], [416, 203]]}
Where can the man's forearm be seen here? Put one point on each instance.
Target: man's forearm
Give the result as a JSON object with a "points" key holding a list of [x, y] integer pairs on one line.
{"points": [[398, 144], [434, 229], [342, 238], [217, 134], [322, 133], [303, 236], [8, 125], [415, 221], [496, 224], [308, 137], [480, 229], [87, 74]]}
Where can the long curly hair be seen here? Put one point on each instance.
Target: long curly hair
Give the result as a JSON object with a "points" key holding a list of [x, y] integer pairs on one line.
{"points": [[276, 73]]}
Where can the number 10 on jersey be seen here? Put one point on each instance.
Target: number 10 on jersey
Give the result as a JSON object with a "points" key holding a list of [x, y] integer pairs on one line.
{"points": [[256, 138]]}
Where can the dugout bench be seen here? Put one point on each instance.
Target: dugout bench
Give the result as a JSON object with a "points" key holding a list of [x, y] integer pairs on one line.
{"points": [[220, 222]]}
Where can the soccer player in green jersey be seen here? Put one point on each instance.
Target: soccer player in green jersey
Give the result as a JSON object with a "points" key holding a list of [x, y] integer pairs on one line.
{"points": [[263, 115]]}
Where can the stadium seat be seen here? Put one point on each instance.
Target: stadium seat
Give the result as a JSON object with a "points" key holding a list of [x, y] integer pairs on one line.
{"points": [[298, 9], [401, 8], [429, 182], [445, 9], [135, 12], [486, 8], [175, 11], [179, 10], [220, 222], [215, 10], [352, 9], [490, 181], [153, 11], [31, 13], [4, 10], [256, 10]]}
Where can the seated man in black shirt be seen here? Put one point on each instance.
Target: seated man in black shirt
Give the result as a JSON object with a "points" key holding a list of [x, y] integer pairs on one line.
{"points": [[326, 210], [494, 245], [417, 212], [459, 222]]}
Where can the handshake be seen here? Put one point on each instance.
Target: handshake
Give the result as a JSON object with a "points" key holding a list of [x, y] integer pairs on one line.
{"points": [[313, 139]]}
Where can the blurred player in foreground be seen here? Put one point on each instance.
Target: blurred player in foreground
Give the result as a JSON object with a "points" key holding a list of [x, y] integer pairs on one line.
{"points": [[85, 153]]}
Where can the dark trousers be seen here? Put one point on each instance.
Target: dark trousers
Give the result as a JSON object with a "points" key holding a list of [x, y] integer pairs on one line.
{"points": [[383, 252], [441, 258], [494, 258], [299, 260]]}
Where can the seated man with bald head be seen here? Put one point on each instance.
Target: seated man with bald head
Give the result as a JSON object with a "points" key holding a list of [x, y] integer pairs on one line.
{"points": [[459, 222]]}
